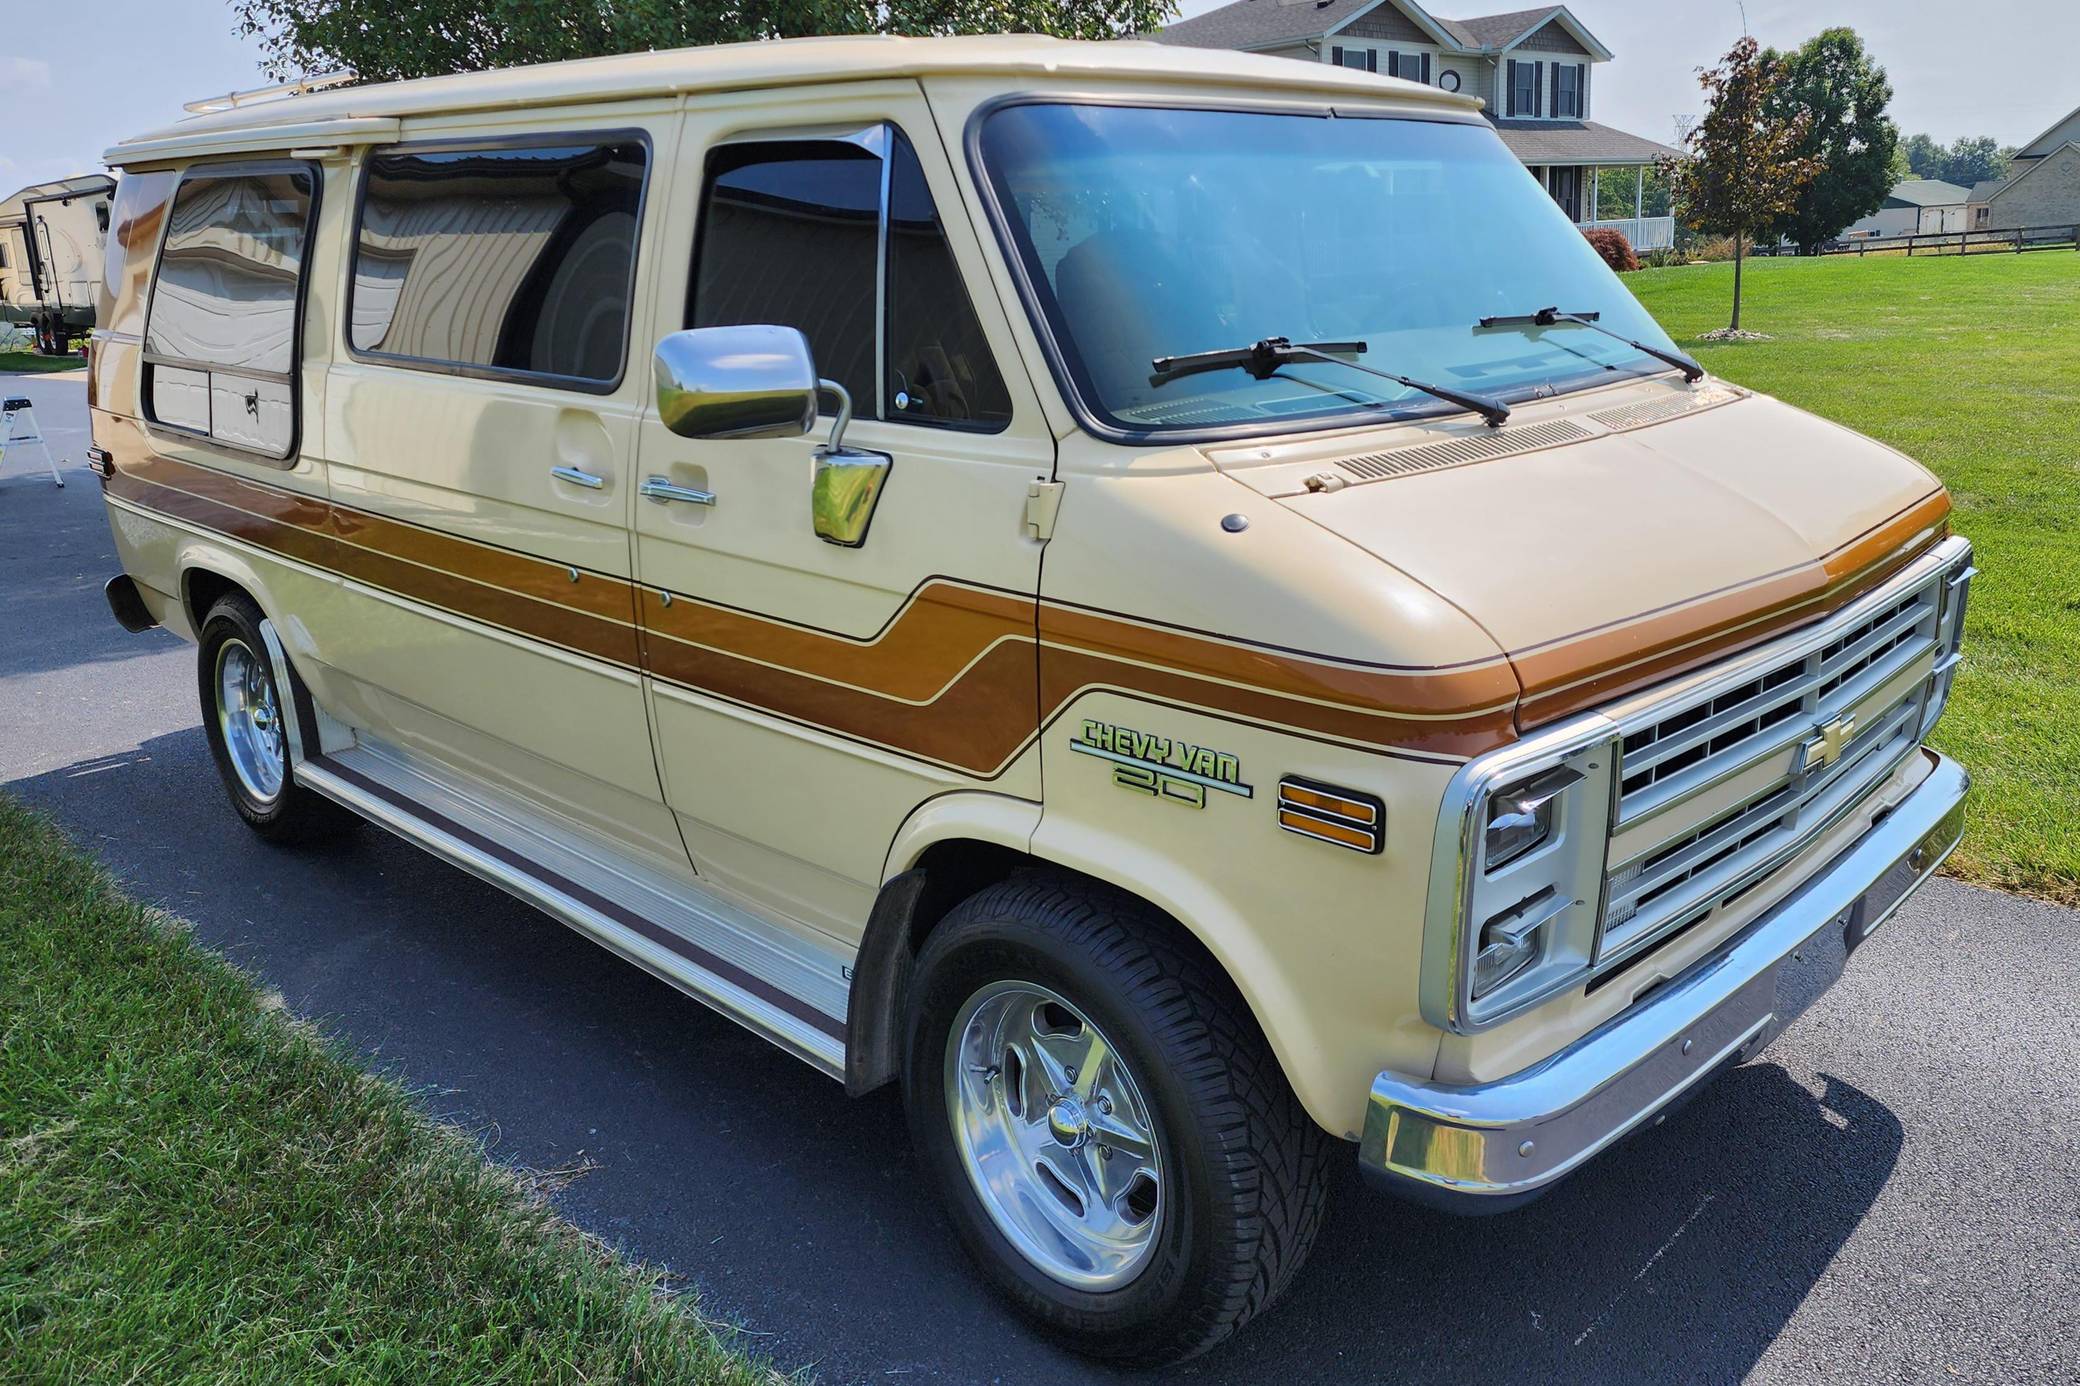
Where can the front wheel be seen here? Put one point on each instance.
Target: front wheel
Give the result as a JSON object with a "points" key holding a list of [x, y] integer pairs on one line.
{"points": [[1116, 1144]]}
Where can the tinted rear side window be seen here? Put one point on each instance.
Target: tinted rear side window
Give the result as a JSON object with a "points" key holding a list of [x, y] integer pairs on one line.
{"points": [[788, 236], [505, 260], [228, 274]]}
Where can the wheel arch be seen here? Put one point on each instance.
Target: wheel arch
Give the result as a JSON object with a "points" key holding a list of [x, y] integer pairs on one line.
{"points": [[930, 872]]}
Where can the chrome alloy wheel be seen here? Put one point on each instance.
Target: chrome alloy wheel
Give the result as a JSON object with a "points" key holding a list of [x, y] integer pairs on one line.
{"points": [[250, 719], [1054, 1135]]}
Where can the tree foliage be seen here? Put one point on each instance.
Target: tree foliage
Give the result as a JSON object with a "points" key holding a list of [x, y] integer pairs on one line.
{"points": [[1833, 82], [1743, 168], [387, 40], [1967, 160]]}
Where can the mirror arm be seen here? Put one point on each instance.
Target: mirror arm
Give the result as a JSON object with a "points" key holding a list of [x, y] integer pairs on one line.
{"points": [[837, 442]]}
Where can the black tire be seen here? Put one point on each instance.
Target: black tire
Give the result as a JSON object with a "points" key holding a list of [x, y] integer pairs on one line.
{"points": [[1245, 1167], [293, 813]]}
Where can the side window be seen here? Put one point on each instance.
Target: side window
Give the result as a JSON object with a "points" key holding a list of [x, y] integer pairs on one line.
{"points": [[220, 340], [500, 261], [841, 239], [939, 367]]}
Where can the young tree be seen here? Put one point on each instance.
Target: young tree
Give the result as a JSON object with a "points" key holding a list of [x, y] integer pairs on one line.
{"points": [[1832, 80], [387, 40], [1743, 169]]}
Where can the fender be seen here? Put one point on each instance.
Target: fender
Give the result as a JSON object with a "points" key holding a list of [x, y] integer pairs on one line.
{"points": [[980, 835], [1241, 947]]}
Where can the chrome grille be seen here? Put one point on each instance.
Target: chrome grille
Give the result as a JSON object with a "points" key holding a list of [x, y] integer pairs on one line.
{"points": [[1753, 742]]}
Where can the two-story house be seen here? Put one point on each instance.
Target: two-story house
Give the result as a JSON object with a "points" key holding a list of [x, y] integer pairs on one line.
{"points": [[2042, 188], [1535, 69]]}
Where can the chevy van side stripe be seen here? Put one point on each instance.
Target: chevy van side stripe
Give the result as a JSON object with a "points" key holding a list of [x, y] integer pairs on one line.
{"points": [[964, 676]]}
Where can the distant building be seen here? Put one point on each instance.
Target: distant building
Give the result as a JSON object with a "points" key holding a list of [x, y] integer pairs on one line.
{"points": [[2041, 189], [1916, 206], [1535, 69]]}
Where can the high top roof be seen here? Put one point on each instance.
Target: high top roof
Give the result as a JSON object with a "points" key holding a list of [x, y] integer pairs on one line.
{"points": [[365, 112]]}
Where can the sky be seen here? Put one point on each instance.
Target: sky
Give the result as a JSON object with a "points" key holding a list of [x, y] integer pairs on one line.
{"points": [[1954, 68]]}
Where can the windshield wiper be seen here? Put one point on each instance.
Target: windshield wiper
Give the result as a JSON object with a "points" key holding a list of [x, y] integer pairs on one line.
{"points": [[1262, 360], [1546, 317]]}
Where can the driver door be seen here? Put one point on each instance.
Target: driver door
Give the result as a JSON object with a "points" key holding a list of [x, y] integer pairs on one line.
{"points": [[806, 694]]}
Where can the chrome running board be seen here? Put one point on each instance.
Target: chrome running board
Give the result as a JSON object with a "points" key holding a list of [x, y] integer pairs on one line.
{"points": [[783, 984]]}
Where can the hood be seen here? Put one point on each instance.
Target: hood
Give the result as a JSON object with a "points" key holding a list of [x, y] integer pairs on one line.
{"points": [[1632, 542]]}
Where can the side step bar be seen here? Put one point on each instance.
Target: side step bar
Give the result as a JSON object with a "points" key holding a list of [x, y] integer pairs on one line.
{"points": [[787, 989]]}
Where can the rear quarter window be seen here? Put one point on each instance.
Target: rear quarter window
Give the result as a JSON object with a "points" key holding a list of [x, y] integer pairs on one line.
{"points": [[506, 260]]}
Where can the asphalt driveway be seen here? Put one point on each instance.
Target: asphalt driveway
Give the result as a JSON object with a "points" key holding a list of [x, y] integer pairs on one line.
{"points": [[1892, 1194]]}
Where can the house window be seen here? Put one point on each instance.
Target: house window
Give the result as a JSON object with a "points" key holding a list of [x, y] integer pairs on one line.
{"points": [[500, 260], [792, 232], [1363, 59], [1981, 215], [1567, 90], [220, 340], [1412, 67], [1523, 88]]}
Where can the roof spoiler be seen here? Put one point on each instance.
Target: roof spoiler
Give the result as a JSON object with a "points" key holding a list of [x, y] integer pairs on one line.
{"points": [[302, 86]]}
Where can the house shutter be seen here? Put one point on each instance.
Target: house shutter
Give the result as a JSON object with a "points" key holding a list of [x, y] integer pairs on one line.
{"points": [[1581, 91], [1538, 88], [1372, 60], [1510, 85], [1393, 62], [1426, 69], [1336, 54]]}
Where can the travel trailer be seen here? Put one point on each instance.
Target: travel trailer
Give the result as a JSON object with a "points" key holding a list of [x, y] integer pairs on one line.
{"points": [[52, 238], [1165, 601]]}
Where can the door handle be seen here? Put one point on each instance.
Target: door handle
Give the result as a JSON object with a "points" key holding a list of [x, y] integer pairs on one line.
{"points": [[659, 489], [578, 476]]}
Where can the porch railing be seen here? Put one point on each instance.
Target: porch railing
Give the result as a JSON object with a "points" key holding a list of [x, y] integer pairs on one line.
{"points": [[1645, 233]]}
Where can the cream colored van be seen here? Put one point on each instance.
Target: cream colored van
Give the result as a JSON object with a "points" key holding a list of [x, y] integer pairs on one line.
{"points": [[1164, 600]]}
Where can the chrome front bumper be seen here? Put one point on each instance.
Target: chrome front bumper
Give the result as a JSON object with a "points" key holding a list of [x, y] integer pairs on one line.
{"points": [[1493, 1145]]}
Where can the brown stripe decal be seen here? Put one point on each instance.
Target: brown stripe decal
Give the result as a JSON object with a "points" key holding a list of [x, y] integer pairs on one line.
{"points": [[692, 952], [1579, 672], [964, 676]]}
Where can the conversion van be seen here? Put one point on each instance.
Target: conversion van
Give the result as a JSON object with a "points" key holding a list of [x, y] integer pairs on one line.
{"points": [[52, 239], [1165, 601]]}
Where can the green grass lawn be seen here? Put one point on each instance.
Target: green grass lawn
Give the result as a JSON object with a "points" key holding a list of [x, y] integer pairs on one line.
{"points": [[194, 1187], [1972, 365], [29, 363]]}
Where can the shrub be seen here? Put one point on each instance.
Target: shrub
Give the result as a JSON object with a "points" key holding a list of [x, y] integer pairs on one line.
{"points": [[1716, 248], [1611, 244], [1663, 257]]}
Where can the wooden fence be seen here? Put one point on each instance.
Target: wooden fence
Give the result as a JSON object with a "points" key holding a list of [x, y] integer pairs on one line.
{"points": [[2014, 239]]}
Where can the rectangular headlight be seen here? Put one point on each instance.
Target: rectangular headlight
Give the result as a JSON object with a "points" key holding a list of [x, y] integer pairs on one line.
{"points": [[1517, 880]]}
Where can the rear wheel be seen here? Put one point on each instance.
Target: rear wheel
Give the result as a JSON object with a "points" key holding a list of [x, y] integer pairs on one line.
{"points": [[243, 715], [1116, 1144]]}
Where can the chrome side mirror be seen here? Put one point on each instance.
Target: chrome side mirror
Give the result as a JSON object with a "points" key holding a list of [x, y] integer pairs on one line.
{"points": [[736, 382]]}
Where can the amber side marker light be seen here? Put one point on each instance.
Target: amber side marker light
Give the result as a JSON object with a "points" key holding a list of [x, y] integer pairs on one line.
{"points": [[1342, 816]]}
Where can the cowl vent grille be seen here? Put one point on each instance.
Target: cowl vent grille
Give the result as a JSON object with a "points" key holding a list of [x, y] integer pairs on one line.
{"points": [[1457, 452]]}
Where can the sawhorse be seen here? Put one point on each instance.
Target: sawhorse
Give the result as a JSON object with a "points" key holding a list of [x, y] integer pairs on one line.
{"points": [[18, 411]]}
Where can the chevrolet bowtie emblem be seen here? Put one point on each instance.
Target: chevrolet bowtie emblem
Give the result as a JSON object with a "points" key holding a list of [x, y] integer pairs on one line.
{"points": [[1826, 748]]}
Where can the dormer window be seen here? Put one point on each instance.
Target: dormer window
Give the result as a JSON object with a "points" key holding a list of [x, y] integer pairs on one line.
{"points": [[1567, 90], [1524, 84]]}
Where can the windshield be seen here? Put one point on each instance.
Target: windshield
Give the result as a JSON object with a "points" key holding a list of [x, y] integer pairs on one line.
{"points": [[1148, 232]]}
